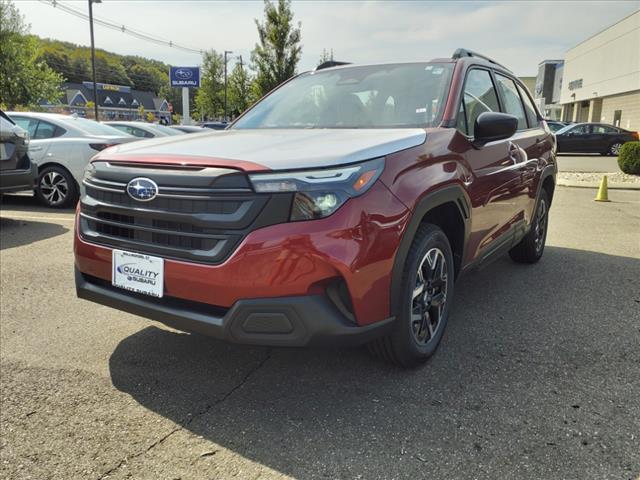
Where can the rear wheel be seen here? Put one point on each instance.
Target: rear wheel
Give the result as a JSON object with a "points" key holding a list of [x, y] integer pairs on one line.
{"points": [[531, 247], [614, 148], [426, 294], [56, 187]]}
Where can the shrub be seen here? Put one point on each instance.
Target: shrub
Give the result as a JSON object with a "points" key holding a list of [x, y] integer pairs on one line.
{"points": [[629, 158]]}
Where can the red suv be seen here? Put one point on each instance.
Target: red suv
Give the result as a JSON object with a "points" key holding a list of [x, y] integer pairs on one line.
{"points": [[338, 210]]}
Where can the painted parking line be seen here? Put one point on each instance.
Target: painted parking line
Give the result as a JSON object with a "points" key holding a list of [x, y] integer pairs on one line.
{"points": [[37, 217]]}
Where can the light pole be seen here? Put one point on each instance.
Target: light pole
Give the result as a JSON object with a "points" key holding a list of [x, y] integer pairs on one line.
{"points": [[226, 52], [93, 59]]}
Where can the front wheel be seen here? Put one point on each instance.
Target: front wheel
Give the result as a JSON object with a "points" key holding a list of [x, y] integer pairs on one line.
{"points": [[56, 187], [425, 299], [531, 247]]}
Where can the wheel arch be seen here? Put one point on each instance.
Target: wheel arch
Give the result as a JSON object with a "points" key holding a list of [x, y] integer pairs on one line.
{"points": [[58, 165], [448, 208]]}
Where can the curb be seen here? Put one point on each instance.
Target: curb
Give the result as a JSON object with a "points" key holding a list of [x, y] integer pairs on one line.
{"points": [[595, 185]]}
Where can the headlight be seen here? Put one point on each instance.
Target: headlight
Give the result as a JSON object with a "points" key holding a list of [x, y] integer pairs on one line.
{"points": [[89, 170], [319, 193]]}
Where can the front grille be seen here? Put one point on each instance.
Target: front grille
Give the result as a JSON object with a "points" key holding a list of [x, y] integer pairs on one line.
{"points": [[199, 215]]}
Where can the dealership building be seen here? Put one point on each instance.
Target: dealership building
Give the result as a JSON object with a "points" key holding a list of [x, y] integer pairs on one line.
{"points": [[600, 79], [115, 102]]}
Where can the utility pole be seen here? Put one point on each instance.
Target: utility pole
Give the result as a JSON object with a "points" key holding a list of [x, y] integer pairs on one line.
{"points": [[93, 59], [226, 52]]}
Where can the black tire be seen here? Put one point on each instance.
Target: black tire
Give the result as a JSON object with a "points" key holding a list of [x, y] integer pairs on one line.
{"points": [[614, 149], [531, 247], [56, 187], [405, 345]]}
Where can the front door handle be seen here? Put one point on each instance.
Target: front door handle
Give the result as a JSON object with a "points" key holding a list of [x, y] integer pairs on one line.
{"points": [[35, 148]]}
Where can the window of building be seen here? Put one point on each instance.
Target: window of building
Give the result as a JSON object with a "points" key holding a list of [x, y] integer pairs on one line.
{"points": [[121, 101], [512, 102], [617, 117], [135, 103], [479, 96], [108, 101]]}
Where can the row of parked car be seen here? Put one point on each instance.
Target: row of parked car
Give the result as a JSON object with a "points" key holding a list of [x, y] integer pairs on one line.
{"points": [[48, 152]]}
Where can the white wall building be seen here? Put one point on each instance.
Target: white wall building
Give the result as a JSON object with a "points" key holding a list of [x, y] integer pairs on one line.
{"points": [[601, 78]]}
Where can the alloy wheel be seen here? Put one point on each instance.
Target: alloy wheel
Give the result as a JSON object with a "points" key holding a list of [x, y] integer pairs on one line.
{"points": [[541, 225], [615, 148], [429, 296], [54, 188]]}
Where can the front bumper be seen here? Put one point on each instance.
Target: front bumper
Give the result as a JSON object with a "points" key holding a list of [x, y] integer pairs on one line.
{"points": [[284, 321]]}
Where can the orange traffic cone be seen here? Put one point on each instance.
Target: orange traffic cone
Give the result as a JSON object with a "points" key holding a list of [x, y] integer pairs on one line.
{"points": [[603, 194]]}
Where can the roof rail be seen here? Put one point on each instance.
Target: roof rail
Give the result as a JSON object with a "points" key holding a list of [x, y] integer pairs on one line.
{"points": [[331, 63], [463, 52]]}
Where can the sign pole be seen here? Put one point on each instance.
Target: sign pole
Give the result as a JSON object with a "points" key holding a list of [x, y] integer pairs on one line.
{"points": [[186, 119]]}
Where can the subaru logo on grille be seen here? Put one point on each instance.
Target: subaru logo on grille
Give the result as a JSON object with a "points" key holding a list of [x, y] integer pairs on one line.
{"points": [[142, 189]]}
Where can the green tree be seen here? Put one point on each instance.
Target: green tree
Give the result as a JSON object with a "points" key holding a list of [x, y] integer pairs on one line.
{"points": [[145, 77], [25, 79], [277, 54], [241, 95], [210, 95], [326, 56]]}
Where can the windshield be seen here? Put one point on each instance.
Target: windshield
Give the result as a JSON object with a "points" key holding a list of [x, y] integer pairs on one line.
{"points": [[564, 129], [93, 128], [380, 96]]}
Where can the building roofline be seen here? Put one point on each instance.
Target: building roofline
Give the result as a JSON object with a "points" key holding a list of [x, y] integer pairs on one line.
{"points": [[637, 12]]}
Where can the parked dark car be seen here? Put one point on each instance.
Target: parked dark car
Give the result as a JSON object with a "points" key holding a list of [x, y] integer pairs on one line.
{"points": [[593, 138], [215, 125], [338, 210], [17, 172]]}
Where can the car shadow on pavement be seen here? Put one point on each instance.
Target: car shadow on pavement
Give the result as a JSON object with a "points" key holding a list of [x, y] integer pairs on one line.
{"points": [[535, 365], [15, 233]]}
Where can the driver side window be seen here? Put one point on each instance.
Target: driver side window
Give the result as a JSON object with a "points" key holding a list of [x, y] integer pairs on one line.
{"points": [[479, 96]]}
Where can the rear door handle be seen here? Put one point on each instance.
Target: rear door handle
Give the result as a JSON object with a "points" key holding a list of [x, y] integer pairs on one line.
{"points": [[35, 148]]}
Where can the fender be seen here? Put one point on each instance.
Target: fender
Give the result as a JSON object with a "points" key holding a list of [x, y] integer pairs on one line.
{"points": [[452, 193], [548, 171]]}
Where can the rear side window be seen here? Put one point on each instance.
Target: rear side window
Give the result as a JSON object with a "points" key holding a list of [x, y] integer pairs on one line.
{"points": [[512, 102], [479, 97], [604, 129], [28, 124], [530, 110], [47, 130]]}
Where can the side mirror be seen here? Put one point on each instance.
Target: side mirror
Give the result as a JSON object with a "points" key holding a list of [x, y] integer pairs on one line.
{"points": [[492, 126]]}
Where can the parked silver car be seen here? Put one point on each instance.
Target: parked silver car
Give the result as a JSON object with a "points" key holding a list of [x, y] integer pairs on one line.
{"points": [[143, 129], [61, 146]]}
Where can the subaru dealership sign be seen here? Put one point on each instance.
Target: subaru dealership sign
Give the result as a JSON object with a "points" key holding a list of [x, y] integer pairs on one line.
{"points": [[185, 76]]}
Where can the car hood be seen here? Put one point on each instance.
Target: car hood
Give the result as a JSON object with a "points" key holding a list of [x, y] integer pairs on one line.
{"points": [[266, 149]]}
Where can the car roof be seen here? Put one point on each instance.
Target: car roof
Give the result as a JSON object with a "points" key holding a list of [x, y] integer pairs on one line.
{"points": [[42, 114]]}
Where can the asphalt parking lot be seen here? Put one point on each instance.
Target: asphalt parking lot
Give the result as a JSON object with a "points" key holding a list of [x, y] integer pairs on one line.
{"points": [[538, 375]]}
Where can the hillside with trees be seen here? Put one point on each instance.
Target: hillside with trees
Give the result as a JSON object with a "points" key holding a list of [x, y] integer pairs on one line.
{"points": [[33, 69]]}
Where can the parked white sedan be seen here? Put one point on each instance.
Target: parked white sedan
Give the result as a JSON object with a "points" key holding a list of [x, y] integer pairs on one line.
{"points": [[61, 146]]}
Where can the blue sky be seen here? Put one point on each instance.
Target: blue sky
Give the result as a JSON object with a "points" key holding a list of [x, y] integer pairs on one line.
{"points": [[519, 34]]}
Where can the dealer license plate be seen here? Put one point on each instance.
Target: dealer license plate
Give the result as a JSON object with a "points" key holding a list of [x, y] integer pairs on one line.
{"points": [[138, 273]]}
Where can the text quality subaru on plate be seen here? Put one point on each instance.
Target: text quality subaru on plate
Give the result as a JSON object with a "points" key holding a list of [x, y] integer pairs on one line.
{"points": [[338, 210]]}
